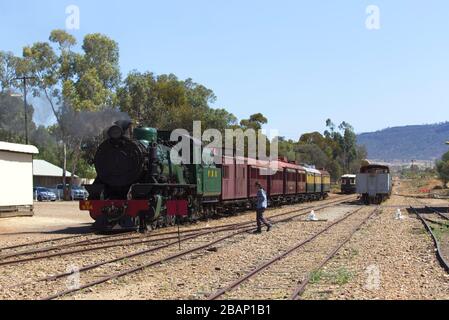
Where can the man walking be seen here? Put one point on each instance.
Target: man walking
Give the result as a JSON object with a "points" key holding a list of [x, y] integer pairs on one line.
{"points": [[262, 204]]}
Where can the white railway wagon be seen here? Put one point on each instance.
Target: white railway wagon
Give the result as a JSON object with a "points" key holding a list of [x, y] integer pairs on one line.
{"points": [[374, 184]]}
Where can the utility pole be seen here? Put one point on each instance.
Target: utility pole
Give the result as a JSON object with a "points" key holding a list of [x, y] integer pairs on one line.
{"points": [[24, 81]]}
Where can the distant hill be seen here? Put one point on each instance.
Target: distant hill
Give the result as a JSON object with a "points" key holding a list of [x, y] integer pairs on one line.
{"points": [[421, 142]]}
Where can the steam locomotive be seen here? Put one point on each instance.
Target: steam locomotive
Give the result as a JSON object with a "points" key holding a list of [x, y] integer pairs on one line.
{"points": [[138, 185]]}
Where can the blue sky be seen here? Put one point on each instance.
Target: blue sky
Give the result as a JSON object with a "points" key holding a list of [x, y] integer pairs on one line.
{"points": [[297, 62]]}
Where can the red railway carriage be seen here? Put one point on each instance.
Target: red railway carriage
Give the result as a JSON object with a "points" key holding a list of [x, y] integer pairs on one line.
{"points": [[258, 172], [291, 177], [302, 181], [284, 182], [235, 180], [276, 183]]}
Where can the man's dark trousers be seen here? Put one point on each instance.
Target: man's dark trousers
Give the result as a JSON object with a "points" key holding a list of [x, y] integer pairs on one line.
{"points": [[261, 220]]}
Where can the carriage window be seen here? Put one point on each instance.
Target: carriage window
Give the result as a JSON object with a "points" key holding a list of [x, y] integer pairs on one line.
{"points": [[226, 172], [262, 172], [278, 176], [241, 172], [253, 173]]}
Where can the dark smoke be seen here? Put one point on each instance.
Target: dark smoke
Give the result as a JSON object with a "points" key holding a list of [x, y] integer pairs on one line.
{"points": [[85, 124], [12, 115]]}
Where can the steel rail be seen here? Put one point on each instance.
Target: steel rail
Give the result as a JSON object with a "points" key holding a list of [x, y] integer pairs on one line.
{"points": [[436, 222], [82, 250], [144, 266], [92, 266], [186, 252], [90, 242], [301, 288], [269, 263], [442, 215], [444, 263], [44, 241], [123, 257], [101, 241], [127, 256], [138, 253]]}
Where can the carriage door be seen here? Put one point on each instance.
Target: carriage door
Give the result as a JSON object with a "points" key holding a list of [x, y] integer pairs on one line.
{"points": [[372, 184]]}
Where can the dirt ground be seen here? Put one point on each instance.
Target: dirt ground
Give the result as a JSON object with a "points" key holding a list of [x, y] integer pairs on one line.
{"points": [[50, 220], [386, 259]]}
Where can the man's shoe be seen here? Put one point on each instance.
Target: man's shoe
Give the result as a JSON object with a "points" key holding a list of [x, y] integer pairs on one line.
{"points": [[257, 232], [269, 228]]}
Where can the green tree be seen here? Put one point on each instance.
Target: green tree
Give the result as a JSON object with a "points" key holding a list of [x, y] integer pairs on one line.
{"points": [[168, 103], [348, 145], [312, 154], [12, 128], [287, 149], [442, 167], [255, 122], [338, 144], [73, 82], [10, 67], [47, 144], [95, 75], [12, 119]]}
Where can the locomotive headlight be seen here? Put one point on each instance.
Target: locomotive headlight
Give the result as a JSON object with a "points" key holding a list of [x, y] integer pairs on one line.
{"points": [[115, 132]]}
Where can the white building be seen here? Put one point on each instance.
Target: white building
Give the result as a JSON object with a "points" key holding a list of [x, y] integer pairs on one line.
{"points": [[46, 174], [16, 179]]}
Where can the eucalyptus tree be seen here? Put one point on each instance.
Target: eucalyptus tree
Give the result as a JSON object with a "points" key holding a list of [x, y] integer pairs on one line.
{"points": [[73, 81]]}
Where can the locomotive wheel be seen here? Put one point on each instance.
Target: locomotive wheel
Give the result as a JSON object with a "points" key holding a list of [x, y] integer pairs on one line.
{"points": [[141, 224], [169, 221], [154, 225]]}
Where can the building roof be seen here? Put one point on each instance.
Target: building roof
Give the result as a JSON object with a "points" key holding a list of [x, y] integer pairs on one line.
{"points": [[42, 168], [18, 148]]}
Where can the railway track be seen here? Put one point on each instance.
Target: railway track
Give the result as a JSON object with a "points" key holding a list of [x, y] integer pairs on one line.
{"points": [[233, 229], [430, 226], [302, 286], [113, 241], [44, 241], [287, 253]]}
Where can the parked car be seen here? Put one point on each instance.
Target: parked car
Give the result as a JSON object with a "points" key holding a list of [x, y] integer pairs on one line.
{"points": [[44, 194], [78, 193]]}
